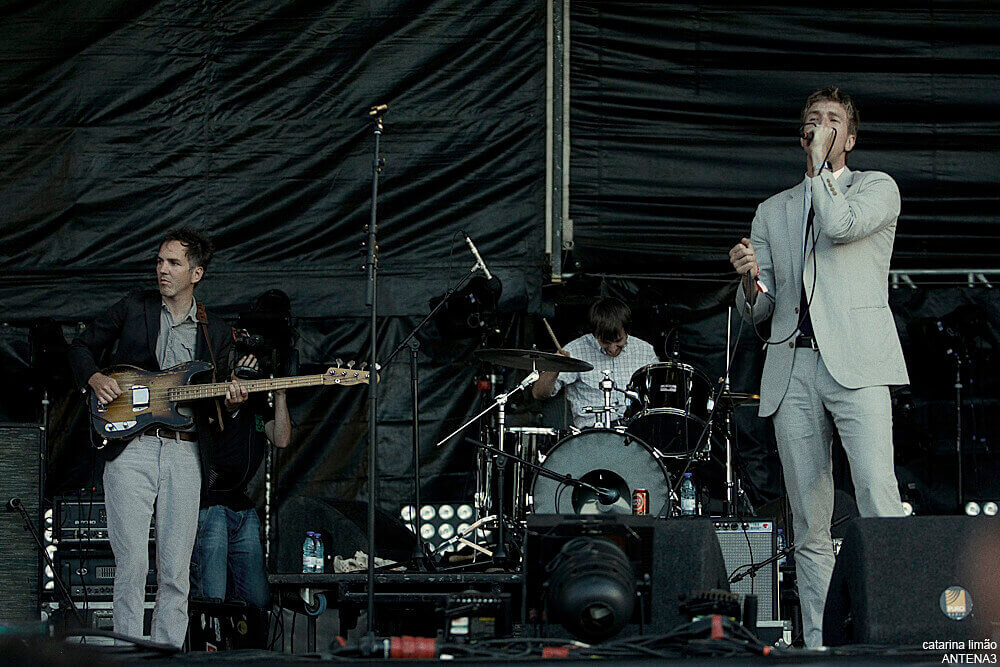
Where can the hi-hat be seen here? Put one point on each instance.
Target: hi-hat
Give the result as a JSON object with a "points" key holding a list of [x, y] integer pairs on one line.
{"points": [[528, 359]]}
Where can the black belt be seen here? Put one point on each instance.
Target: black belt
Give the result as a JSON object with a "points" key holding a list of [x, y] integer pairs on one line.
{"points": [[806, 341], [187, 436]]}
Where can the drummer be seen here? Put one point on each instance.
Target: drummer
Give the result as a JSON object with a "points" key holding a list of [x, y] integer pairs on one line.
{"points": [[610, 348]]}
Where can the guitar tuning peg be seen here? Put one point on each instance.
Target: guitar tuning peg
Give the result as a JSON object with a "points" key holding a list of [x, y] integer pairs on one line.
{"points": [[350, 364], [338, 362], [363, 366]]}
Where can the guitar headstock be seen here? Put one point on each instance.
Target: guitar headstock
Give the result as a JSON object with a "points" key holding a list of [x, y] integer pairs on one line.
{"points": [[345, 376]]}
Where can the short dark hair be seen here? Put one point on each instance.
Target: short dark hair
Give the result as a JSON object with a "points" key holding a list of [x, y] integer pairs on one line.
{"points": [[834, 94], [609, 317], [198, 246]]}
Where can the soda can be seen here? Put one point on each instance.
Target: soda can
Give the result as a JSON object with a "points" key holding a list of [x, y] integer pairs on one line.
{"points": [[640, 501]]}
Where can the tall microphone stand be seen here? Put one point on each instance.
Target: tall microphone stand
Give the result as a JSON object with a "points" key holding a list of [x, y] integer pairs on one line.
{"points": [[376, 113]]}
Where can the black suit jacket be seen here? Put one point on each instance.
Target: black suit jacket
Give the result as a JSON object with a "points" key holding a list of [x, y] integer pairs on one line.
{"points": [[134, 324]]}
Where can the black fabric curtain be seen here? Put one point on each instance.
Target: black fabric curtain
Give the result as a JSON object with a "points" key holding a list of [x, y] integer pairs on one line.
{"points": [[120, 120], [684, 117]]}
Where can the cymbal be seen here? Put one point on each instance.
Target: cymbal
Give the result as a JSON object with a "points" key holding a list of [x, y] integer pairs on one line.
{"points": [[737, 397], [528, 359]]}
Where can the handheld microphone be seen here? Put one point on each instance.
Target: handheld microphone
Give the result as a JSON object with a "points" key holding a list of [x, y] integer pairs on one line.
{"points": [[479, 260], [807, 134]]}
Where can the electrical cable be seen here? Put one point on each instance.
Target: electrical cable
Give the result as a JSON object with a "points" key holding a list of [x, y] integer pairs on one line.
{"points": [[809, 233]]}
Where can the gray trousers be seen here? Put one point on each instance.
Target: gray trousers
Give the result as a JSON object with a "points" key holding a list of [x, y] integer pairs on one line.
{"points": [[165, 472], [804, 434]]}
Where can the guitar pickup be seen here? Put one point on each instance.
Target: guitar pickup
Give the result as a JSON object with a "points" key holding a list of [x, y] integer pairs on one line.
{"points": [[140, 398], [115, 427]]}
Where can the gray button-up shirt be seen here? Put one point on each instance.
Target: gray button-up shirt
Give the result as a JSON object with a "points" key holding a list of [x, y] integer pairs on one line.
{"points": [[175, 342]]}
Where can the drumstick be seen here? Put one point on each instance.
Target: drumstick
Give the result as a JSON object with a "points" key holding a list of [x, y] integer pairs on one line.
{"points": [[552, 334]]}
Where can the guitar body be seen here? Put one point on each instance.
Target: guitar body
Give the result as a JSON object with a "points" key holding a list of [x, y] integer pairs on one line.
{"points": [[143, 402]]}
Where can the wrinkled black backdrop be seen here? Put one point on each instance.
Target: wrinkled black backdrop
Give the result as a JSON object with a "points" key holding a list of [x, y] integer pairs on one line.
{"points": [[684, 118], [119, 120]]}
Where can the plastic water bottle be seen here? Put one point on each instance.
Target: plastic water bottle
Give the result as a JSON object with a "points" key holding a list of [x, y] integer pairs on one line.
{"points": [[688, 500], [308, 553], [781, 545], [318, 557]]}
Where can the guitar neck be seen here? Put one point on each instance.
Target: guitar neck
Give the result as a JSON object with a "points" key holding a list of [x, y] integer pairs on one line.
{"points": [[196, 391]]}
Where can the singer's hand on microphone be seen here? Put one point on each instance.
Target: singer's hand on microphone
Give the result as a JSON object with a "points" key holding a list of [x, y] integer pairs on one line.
{"points": [[743, 258], [819, 145]]}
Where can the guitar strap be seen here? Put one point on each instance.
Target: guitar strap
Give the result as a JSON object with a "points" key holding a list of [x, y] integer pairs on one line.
{"points": [[203, 321]]}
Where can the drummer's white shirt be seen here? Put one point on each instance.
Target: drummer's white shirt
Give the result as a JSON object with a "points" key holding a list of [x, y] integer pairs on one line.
{"points": [[584, 389]]}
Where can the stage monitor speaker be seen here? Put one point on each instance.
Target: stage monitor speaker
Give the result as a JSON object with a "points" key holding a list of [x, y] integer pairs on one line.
{"points": [[745, 542], [669, 557], [21, 472], [906, 581]]}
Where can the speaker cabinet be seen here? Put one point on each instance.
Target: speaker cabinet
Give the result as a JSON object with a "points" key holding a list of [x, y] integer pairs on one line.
{"points": [[21, 472], [743, 543], [670, 558], [905, 581]]}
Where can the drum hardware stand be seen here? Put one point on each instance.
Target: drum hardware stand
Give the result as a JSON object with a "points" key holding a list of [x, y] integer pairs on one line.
{"points": [[607, 386], [729, 507], [500, 403], [601, 492], [419, 555]]}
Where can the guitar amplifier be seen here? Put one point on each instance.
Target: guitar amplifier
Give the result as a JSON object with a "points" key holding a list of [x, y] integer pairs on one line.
{"points": [[745, 542], [22, 470]]}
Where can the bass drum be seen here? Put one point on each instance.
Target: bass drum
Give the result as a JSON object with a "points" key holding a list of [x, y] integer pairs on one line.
{"points": [[604, 458]]}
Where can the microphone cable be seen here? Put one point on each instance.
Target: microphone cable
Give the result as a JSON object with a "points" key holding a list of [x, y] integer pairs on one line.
{"points": [[809, 233]]}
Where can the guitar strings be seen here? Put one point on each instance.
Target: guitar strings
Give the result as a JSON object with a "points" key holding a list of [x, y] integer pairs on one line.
{"points": [[195, 391]]}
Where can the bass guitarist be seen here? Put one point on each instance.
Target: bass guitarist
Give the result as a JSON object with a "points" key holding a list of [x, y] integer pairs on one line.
{"points": [[160, 467]]}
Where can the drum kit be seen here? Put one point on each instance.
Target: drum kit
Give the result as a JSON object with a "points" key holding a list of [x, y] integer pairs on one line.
{"points": [[675, 423]]}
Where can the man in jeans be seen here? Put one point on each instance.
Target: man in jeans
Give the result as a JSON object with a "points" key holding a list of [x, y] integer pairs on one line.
{"points": [[228, 559]]}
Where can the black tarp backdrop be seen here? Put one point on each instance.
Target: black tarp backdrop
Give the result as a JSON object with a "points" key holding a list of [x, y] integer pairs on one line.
{"points": [[684, 118], [119, 120]]}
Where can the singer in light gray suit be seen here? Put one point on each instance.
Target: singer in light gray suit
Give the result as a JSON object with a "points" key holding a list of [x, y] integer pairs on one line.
{"points": [[817, 264]]}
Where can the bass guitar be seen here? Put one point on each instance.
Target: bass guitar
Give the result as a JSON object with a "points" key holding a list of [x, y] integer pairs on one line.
{"points": [[150, 398]]}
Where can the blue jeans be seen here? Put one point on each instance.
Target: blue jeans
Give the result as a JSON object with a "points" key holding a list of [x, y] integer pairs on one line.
{"points": [[228, 559]]}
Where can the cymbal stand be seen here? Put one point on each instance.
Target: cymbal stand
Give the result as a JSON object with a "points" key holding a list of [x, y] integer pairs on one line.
{"points": [[705, 437], [729, 506], [499, 402]]}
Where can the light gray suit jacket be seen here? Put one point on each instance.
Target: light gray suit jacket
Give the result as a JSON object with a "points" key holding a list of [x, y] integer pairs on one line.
{"points": [[855, 226]]}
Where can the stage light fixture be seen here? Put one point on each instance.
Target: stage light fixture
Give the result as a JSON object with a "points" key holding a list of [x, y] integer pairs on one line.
{"points": [[972, 508], [440, 522], [591, 588], [990, 508], [907, 508]]}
